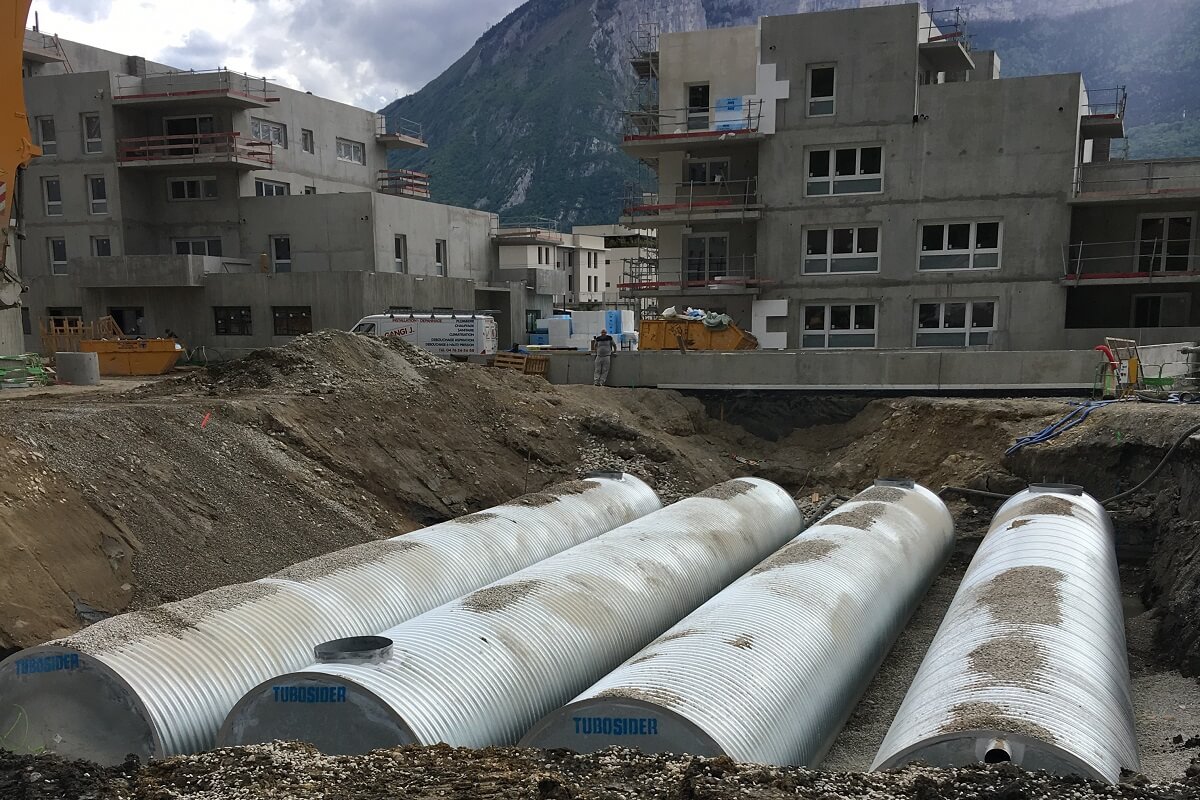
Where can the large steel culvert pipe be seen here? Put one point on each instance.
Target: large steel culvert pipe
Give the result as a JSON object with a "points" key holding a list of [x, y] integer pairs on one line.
{"points": [[480, 670], [159, 682], [769, 670], [1029, 664]]}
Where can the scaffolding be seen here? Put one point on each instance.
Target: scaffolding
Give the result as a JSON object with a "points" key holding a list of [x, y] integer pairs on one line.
{"points": [[643, 118]]}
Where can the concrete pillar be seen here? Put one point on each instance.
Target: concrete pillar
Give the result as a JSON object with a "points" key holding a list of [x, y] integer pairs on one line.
{"points": [[78, 369]]}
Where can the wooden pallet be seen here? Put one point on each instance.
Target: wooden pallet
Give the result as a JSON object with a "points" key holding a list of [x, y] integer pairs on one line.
{"points": [[530, 365]]}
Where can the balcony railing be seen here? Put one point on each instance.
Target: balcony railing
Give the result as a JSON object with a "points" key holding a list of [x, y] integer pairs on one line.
{"points": [[1105, 102], [677, 274], [1143, 261], [729, 117], [1137, 177], [690, 199], [201, 148], [193, 85], [399, 127], [404, 183]]}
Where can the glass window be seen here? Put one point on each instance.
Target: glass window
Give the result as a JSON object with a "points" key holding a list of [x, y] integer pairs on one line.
{"points": [[281, 253], [957, 323], [439, 257], [401, 247], [856, 170], [198, 247], [351, 151], [839, 325], [847, 162], [699, 103], [818, 164], [92, 141], [929, 315], [820, 90], [204, 188], [843, 240], [267, 131], [834, 250], [871, 161], [265, 188], [307, 142], [868, 240], [101, 246], [52, 192], [954, 315], [839, 318], [47, 137], [292, 320], [960, 245], [58, 256], [818, 241], [310, 190], [232, 321], [97, 194]]}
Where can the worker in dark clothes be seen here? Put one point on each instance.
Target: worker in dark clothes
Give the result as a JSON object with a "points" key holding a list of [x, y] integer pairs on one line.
{"points": [[603, 346]]}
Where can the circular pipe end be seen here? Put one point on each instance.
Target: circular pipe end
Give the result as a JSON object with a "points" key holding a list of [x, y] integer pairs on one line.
{"points": [[354, 650]]}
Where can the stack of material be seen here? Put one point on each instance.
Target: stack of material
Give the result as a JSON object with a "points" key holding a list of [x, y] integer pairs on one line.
{"points": [[579, 328], [23, 371]]}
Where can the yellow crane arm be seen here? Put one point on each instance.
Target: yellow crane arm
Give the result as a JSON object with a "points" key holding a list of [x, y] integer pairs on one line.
{"points": [[16, 145]]}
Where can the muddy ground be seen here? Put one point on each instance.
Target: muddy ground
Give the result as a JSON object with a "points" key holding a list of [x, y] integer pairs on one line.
{"points": [[112, 500]]}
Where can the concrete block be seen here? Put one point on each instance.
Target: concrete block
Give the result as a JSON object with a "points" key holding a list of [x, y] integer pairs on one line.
{"points": [[78, 369], [760, 312], [559, 331]]}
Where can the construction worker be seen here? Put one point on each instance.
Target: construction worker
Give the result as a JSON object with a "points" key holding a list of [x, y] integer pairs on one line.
{"points": [[604, 347]]}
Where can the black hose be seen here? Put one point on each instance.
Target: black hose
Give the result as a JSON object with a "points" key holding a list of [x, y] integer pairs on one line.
{"points": [[1154, 472], [973, 492], [820, 510]]}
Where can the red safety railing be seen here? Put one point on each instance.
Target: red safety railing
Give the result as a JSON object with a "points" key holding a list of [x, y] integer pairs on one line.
{"points": [[404, 183], [200, 148]]}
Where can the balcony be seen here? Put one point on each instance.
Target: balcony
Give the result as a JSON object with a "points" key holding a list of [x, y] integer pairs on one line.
{"points": [[227, 149], [695, 276], [1148, 261], [736, 201], [207, 87], [41, 48], [1103, 114], [122, 272], [531, 231], [406, 134], [1134, 180], [548, 281], [732, 120], [403, 183]]}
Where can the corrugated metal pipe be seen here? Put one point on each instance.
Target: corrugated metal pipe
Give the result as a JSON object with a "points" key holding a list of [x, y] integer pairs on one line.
{"points": [[1029, 664], [159, 682], [769, 670], [480, 670]]}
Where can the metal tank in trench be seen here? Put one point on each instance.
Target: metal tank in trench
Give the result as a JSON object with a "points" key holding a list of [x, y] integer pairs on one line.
{"points": [[1029, 665], [480, 670], [769, 670], [159, 682]]}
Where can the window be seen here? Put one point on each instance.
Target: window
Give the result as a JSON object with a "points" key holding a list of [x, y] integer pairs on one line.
{"points": [[267, 131], [821, 78], [698, 107], [198, 247], [307, 143], [292, 320], [829, 250], [47, 137], [264, 188], [1161, 310], [204, 188], [232, 321], [440, 258], [101, 246], [281, 253], [707, 170], [401, 248], [707, 257], [955, 323], [351, 151], [92, 142], [839, 325], [310, 190], [1165, 242], [960, 245], [58, 256], [52, 192], [97, 194], [195, 126], [846, 170]]}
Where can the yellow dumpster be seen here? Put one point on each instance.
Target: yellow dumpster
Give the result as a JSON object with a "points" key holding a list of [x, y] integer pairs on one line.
{"points": [[666, 334], [133, 356]]}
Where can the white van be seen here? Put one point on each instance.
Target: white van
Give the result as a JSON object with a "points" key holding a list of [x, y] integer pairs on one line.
{"points": [[441, 334]]}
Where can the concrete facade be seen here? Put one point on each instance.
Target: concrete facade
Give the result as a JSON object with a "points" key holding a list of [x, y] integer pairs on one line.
{"points": [[624, 249], [234, 212], [816, 158]]}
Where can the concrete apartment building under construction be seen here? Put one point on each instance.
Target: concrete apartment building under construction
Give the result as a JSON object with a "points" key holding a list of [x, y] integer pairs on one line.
{"points": [[862, 179], [237, 213]]}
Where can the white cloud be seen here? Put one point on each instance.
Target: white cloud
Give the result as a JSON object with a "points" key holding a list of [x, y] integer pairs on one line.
{"points": [[366, 52]]}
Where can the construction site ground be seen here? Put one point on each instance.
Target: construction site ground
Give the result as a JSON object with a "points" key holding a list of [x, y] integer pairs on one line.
{"points": [[137, 493]]}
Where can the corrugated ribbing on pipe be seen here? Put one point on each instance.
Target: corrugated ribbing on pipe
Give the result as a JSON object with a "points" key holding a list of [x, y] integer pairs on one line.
{"points": [[482, 669], [1029, 665], [159, 682], [769, 670]]}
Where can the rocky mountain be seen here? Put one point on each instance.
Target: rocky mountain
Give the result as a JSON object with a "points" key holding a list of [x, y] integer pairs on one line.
{"points": [[527, 122]]}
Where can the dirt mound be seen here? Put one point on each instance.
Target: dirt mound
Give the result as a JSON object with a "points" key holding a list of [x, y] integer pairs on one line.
{"points": [[299, 773]]}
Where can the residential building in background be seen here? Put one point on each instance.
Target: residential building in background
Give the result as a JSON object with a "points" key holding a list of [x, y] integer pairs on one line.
{"points": [[236, 213], [862, 179], [626, 250]]}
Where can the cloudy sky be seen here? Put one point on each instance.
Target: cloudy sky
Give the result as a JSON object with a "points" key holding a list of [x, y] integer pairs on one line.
{"points": [[366, 52]]}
